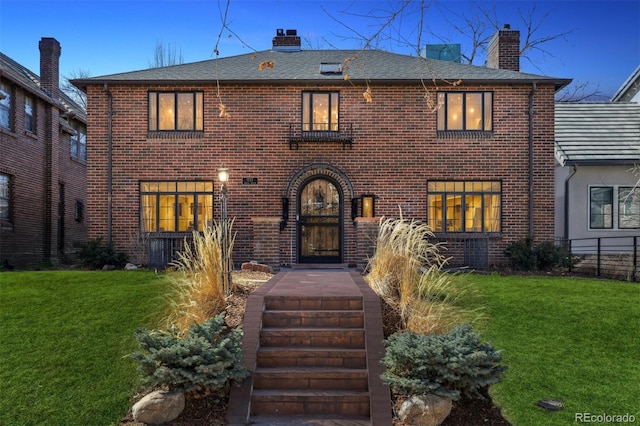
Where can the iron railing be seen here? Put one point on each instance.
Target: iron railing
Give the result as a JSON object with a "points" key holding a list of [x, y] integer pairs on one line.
{"points": [[164, 247], [343, 135], [607, 257]]}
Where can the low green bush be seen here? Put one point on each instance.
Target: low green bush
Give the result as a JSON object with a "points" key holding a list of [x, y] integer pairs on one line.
{"points": [[449, 365], [96, 255], [206, 359], [544, 256]]}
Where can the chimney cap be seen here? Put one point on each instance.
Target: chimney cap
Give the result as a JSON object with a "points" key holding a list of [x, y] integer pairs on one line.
{"points": [[507, 26]]}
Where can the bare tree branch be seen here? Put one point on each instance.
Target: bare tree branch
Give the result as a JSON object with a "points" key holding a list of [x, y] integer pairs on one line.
{"points": [[164, 56], [77, 95]]}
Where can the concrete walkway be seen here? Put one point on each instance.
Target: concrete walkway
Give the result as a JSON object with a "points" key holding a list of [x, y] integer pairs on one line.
{"points": [[313, 283]]}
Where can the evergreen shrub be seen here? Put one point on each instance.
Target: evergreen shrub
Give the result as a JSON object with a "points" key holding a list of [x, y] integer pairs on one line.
{"points": [[206, 359], [546, 255], [449, 365], [96, 255]]}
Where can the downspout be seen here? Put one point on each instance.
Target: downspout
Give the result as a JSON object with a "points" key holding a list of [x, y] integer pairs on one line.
{"points": [[531, 93], [109, 163], [574, 169]]}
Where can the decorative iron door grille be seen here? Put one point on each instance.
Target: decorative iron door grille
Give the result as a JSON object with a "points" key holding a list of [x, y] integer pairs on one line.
{"points": [[319, 223]]}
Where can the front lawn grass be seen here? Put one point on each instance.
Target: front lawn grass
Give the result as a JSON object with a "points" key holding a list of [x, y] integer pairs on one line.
{"points": [[577, 340], [64, 341]]}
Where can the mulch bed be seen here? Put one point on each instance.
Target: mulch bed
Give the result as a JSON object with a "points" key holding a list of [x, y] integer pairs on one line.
{"points": [[210, 410]]}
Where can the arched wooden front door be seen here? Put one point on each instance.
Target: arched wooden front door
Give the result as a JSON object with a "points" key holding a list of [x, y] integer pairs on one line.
{"points": [[320, 222]]}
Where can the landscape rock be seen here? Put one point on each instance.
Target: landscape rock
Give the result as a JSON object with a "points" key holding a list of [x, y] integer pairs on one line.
{"points": [[257, 267], [425, 410], [158, 407], [130, 267], [109, 267]]}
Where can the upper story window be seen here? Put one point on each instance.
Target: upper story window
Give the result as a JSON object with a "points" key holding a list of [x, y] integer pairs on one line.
{"points": [[320, 111], [463, 111], [176, 206], [464, 206], [5, 198], [29, 114], [79, 143], [603, 209], [176, 111], [5, 105]]}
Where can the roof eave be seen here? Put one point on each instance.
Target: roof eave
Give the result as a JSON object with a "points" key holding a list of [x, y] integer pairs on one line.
{"points": [[607, 162], [84, 83]]}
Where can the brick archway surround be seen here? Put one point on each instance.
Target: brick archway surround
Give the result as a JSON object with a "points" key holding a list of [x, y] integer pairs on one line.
{"points": [[318, 170]]}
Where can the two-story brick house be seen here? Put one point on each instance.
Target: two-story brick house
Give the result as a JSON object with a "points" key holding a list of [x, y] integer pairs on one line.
{"points": [[313, 164], [42, 163]]}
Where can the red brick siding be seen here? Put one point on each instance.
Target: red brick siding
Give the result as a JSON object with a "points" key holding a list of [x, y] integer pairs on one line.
{"points": [[395, 152], [32, 237]]}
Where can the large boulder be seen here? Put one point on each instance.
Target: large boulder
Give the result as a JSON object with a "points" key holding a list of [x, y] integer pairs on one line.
{"points": [[425, 410], [158, 407]]}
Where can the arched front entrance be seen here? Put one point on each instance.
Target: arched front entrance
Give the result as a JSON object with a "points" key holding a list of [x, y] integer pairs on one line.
{"points": [[319, 221]]}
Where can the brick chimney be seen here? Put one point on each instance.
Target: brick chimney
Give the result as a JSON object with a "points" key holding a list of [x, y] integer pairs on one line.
{"points": [[504, 50], [286, 42], [49, 65]]}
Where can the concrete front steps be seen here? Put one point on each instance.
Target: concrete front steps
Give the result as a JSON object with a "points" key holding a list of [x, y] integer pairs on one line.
{"points": [[312, 365]]}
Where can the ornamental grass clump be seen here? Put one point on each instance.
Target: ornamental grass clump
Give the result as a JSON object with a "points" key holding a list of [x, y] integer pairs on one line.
{"points": [[406, 272], [199, 286], [451, 365], [205, 360]]}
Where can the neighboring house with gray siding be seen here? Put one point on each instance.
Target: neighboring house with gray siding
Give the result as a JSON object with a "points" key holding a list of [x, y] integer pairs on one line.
{"points": [[597, 196]]}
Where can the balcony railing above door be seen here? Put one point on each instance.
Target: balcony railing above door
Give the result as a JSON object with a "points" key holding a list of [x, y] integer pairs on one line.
{"points": [[344, 135]]}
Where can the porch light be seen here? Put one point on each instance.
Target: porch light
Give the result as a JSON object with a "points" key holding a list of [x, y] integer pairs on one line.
{"points": [[368, 205], [223, 175]]}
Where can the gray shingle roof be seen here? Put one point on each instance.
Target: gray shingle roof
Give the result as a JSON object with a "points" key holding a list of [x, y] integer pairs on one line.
{"points": [[591, 134], [304, 66], [31, 82]]}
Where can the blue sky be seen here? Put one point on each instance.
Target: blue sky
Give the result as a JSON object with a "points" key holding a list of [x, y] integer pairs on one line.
{"points": [[601, 46]]}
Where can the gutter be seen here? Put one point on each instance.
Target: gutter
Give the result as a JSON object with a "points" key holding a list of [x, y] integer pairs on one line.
{"points": [[531, 93], [574, 170], [109, 164]]}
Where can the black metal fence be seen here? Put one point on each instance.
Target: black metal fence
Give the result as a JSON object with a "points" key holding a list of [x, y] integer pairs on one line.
{"points": [[606, 257]]}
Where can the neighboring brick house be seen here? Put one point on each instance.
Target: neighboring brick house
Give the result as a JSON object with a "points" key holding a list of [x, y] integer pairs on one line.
{"points": [[313, 166], [42, 163]]}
